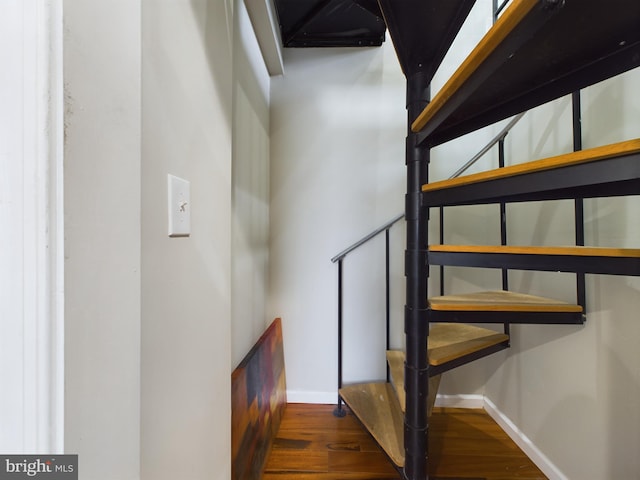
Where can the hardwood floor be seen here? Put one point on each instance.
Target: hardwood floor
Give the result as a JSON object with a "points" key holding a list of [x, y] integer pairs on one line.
{"points": [[464, 444]]}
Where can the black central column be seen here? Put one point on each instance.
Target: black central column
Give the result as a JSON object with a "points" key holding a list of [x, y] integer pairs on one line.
{"points": [[416, 273]]}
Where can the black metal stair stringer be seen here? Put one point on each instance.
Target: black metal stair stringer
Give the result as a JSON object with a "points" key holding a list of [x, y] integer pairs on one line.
{"points": [[601, 265], [520, 318]]}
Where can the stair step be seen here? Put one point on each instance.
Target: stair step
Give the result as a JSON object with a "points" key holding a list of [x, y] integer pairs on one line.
{"points": [[628, 147], [450, 342], [511, 70], [599, 260], [503, 307], [447, 342], [610, 170], [395, 359], [500, 300], [377, 407], [380, 406], [501, 30]]}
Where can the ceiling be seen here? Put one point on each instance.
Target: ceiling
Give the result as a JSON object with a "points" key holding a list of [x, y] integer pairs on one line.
{"points": [[330, 23]]}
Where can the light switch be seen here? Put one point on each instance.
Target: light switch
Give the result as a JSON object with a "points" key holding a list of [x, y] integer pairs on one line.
{"points": [[179, 207]]}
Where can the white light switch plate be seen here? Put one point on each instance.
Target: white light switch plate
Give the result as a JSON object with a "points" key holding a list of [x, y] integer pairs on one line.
{"points": [[179, 207]]}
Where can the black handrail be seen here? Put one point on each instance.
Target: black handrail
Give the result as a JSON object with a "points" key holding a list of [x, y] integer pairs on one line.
{"points": [[579, 202], [339, 412], [368, 237], [503, 133], [499, 139], [498, 9], [500, 136]]}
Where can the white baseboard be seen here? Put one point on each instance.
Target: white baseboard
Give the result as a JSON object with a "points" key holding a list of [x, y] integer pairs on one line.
{"points": [[527, 446], [510, 428], [460, 401], [303, 396]]}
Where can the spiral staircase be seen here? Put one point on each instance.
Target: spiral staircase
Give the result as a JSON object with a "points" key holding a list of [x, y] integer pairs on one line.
{"points": [[537, 51]]}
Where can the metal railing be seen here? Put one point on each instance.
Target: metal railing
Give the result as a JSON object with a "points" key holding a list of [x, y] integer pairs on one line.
{"points": [[366, 238], [339, 412], [339, 258], [497, 9]]}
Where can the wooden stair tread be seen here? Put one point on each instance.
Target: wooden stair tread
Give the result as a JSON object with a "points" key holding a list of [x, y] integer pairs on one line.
{"points": [[570, 159], [380, 406], [576, 251], [377, 407], [533, 54], [395, 359], [451, 341], [446, 342], [505, 25], [500, 301]]}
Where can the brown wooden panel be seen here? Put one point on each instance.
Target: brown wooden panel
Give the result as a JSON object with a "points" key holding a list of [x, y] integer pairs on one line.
{"points": [[258, 400]]}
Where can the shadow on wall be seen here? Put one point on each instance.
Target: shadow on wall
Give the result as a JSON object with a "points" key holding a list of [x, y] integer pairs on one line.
{"points": [[551, 139], [607, 421], [618, 373], [606, 118], [213, 17], [585, 384]]}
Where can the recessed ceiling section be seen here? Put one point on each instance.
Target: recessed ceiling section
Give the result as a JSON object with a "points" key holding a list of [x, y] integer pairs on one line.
{"points": [[330, 23]]}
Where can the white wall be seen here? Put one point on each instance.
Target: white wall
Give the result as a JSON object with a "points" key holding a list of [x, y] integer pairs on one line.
{"points": [[148, 93], [574, 391], [250, 178], [337, 122], [338, 125], [186, 282], [102, 236], [31, 372]]}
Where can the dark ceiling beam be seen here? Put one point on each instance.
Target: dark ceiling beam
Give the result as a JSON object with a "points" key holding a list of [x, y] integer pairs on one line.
{"points": [[304, 21]]}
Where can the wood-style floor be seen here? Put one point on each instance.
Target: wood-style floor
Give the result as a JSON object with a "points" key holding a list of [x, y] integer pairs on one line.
{"points": [[466, 444]]}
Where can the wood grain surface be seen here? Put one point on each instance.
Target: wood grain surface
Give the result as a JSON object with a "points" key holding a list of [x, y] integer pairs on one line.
{"points": [[464, 444]]}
